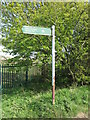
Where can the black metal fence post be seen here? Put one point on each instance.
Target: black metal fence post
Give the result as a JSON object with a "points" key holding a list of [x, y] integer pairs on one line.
{"points": [[26, 74], [9, 77], [12, 75], [4, 85], [2, 76]]}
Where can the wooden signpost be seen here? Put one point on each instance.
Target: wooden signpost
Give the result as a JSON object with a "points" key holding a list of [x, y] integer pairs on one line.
{"points": [[45, 31]]}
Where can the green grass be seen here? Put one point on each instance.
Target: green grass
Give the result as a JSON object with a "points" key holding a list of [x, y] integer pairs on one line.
{"points": [[35, 101]]}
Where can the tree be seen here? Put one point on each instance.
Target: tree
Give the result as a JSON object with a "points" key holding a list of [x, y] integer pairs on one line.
{"points": [[71, 29]]}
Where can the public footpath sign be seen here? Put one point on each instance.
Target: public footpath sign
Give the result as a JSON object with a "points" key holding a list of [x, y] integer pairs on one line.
{"points": [[45, 31], [36, 30]]}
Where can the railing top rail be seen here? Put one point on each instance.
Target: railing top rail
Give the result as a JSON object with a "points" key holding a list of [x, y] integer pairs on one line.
{"points": [[12, 66]]}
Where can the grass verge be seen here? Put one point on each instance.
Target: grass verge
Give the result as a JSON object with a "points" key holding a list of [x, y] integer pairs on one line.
{"points": [[35, 101]]}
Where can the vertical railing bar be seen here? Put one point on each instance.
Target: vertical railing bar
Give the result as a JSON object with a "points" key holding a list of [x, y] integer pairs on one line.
{"points": [[26, 74], [12, 75], [8, 77], [15, 76], [22, 75], [2, 76]]}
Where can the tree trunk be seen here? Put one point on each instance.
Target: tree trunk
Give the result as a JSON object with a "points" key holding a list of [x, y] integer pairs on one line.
{"points": [[73, 76]]}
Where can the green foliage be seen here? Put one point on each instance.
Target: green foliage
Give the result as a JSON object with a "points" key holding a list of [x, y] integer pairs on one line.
{"points": [[71, 29], [35, 101]]}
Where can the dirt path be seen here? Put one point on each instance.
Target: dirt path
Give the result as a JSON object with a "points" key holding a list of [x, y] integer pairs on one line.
{"points": [[81, 115]]}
